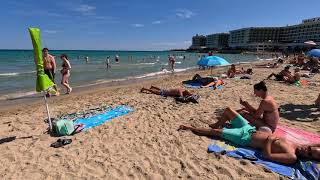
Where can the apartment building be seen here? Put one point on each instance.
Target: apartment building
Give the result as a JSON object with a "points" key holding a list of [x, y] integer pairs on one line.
{"points": [[217, 41], [263, 38], [198, 42]]}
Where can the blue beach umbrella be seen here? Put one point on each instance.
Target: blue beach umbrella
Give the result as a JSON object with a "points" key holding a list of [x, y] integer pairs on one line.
{"points": [[314, 53], [212, 61]]}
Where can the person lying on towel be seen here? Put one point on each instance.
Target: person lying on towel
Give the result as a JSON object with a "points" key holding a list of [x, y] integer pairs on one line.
{"points": [[269, 65], [215, 83], [266, 116], [285, 73], [179, 93], [201, 80], [295, 78], [274, 148]]}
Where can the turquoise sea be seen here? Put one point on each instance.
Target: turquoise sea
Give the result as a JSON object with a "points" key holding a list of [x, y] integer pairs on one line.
{"points": [[17, 70]]}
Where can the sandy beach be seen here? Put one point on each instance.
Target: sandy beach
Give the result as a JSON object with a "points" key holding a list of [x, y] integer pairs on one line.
{"points": [[144, 144]]}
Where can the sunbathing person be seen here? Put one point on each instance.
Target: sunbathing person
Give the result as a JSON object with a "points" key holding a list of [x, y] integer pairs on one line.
{"points": [[269, 65], [285, 73], [295, 78], [180, 94], [202, 80], [266, 116], [215, 83], [300, 59], [233, 71], [274, 148]]}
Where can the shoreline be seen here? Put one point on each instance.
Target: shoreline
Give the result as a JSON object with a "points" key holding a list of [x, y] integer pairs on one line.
{"points": [[11, 100]]}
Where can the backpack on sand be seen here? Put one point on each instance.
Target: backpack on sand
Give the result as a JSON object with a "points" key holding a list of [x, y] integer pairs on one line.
{"points": [[64, 127]]}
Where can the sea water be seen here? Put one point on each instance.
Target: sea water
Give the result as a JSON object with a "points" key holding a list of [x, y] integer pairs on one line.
{"points": [[18, 75]]}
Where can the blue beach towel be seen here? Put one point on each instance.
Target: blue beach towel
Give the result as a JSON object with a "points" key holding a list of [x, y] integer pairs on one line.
{"points": [[99, 119], [195, 85], [301, 170]]}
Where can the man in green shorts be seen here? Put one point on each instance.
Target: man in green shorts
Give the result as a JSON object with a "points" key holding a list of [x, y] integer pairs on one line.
{"points": [[274, 148]]}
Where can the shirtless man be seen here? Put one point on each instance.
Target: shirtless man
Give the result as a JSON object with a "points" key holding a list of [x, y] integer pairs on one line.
{"points": [[50, 66], [285, 73], [277, 149], [266, 117], [178, 92]]}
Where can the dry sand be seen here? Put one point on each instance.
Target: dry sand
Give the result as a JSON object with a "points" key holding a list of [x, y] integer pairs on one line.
{"points": [[145, 143]]}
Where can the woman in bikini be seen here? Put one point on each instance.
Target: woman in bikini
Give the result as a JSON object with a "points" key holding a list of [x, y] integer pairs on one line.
{"points": [[65, 72]]}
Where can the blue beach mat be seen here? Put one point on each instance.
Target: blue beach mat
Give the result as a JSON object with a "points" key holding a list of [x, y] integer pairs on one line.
{"points": [[301, 170], [195, 85], [103, 117]]}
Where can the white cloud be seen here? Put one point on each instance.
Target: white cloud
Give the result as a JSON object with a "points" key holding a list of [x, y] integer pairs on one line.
{"points": [[157, 22], [50, 31], [184, 13], [137, 25], [85, 9]]}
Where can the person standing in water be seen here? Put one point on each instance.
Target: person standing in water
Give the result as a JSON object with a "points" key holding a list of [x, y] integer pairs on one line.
{"points": [[108, 62], [87, 59], [49, 64], [171, 62], [117, 58], [65, 71]]}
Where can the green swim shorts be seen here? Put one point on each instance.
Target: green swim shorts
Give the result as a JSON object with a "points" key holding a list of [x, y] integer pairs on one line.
{"points": [[240, 132]]}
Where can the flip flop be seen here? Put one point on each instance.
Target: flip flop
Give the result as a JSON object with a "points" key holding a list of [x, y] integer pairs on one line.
{"points": [[61, 142]]}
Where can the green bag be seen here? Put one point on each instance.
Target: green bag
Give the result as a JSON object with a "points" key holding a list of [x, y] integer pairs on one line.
{"points": [[64, 127]]}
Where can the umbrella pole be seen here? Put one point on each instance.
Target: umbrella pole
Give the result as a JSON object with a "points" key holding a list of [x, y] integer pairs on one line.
{"points": [[211, 70], [48, 112]]}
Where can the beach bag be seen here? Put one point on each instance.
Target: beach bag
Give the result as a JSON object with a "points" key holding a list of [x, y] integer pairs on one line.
{"points": [[64, 127]]}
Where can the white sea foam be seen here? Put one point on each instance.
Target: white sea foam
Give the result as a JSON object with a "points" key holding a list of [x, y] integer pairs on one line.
{"points": [[9, 74], [164, 71], [15, 73], [147, 63]]}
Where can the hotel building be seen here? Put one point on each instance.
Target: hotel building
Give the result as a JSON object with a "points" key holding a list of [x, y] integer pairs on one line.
{"points": [[217, 41], [198, 42], [268, 38]]}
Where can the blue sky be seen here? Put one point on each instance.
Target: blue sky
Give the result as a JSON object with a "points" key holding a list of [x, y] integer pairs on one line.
{"points": [[139, 24]]}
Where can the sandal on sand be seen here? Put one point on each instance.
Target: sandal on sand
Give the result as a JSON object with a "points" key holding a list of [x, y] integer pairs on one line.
{"points": [[61, 142]]}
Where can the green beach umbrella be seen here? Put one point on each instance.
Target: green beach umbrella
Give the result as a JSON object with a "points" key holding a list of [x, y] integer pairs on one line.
{"points": [[43, 83]]}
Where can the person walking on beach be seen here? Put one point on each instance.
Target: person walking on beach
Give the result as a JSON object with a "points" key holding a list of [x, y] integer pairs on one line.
{"points": [[171, 62], [108, 62], [65, 71], [266, 116], [49, 64]]}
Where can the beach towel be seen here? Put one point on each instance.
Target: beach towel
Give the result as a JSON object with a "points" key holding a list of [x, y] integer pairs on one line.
{"points": [[297, 135], [196, 85], [301, 83], [299, 170], [98, 119]]}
